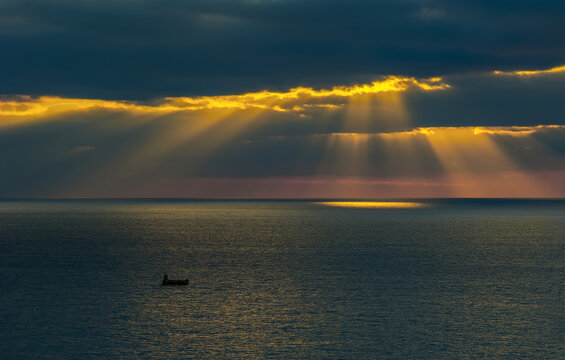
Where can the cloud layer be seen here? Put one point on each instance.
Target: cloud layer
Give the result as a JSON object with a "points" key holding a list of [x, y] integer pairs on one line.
{"points": [[282, 98], [395, 135], [147, 49]]}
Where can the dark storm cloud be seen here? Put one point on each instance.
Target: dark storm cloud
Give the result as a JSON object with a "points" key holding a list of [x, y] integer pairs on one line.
{"points": [[150, 50], [145, 49], [103, 151], [492, 100]]}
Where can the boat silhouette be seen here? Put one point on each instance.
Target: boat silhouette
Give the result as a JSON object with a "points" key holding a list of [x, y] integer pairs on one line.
{"points": [[167, 281]]}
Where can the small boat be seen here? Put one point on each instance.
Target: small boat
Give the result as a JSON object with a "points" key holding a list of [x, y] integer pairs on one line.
{"points": [[167, 281]]}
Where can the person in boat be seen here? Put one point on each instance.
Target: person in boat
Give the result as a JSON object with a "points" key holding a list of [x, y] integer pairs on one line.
{"points": [[166, 281]]}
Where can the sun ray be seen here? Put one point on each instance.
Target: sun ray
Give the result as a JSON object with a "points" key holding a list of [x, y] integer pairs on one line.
{"points": [[472, 159], [467, 154]]}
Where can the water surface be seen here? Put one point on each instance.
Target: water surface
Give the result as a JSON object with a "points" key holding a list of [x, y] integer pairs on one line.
{"points": [[282, 279]]}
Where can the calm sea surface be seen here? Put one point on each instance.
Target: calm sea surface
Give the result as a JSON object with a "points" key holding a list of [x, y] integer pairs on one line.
{"points": [[451, 280]]}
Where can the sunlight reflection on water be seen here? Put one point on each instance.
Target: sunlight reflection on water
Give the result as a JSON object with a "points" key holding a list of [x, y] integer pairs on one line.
{"points": [[283, 280], [374, 204]]}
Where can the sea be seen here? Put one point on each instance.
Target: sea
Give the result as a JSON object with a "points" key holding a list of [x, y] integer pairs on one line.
{"points": [[435, 279]]}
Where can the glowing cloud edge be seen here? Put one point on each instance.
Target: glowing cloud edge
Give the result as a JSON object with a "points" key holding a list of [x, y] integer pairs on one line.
{"points": [[27, 106]]}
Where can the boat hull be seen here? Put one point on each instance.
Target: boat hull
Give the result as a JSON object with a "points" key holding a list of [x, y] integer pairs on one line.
{"points": [[174, 282]]}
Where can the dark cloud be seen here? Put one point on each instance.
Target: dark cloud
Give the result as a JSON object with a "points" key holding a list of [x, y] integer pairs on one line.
{"points": [[108, 151], [145, 49], [492, 100]]}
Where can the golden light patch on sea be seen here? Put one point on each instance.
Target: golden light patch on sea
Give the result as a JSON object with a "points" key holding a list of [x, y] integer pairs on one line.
{"points": [[374, 204]]}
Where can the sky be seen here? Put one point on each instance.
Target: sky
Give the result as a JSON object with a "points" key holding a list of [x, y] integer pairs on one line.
{"points": [[282, 98]]}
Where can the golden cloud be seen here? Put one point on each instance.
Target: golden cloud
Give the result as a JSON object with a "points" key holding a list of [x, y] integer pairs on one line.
{"points": [[557, 69], [294, 100], [469, 130]]}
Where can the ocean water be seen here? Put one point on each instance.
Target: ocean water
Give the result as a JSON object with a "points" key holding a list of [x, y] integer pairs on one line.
{"points": [[459, 279]]}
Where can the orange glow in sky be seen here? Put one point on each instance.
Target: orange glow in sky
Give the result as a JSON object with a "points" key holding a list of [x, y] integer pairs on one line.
{"points": [[359, 140]]}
